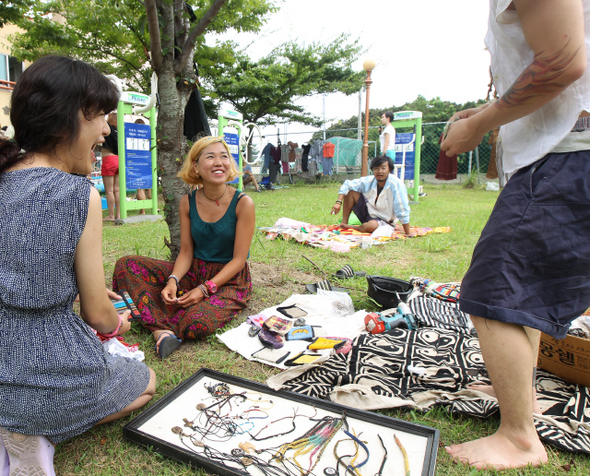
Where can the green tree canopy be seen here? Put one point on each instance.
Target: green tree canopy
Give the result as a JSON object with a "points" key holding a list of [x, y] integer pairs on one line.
{"points": [[133, 38], [113, 35], [265, 91], [12, 11]]}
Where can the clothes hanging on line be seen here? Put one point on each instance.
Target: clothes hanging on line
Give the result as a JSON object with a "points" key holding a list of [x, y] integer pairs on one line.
{"points": [[447, 166], [285, 148], [305, 157], [328, 150], [266, 157], [327, 165], [275, 153]]}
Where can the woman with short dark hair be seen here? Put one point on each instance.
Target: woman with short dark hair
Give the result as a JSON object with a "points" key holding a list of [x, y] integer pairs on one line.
{"points": [[56, 379]]}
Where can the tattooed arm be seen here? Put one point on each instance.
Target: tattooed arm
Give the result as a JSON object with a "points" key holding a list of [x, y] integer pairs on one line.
{"points": [[554, 29]]}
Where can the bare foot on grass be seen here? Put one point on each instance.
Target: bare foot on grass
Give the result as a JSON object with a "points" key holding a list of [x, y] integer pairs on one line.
{"points": [[499, 452]]}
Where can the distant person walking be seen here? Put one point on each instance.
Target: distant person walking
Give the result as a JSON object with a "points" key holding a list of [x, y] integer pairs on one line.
{"points": [[387, 136], [110, 169]]}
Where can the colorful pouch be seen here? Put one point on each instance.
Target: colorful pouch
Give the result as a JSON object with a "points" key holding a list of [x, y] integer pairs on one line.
{"points": [[300, 333], [270, 339], [278, 325], [293, 311], [323, 343], [271, 355], [301, 359], [256, 320]]}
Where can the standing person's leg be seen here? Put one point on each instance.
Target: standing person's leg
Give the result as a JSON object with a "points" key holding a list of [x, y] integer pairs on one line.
{"points": [[110, 179], [534, 337], [508, 355], [144, 194], [141, 196], [117, 197], [109, 191]]}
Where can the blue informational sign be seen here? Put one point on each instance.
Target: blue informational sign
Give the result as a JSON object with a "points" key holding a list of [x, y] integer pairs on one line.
{"points": [[232, 139], [138, 156], [401, 143]]}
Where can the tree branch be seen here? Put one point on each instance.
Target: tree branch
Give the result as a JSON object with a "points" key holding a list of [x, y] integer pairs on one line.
{"points": [[154, 29], [197, 31]]}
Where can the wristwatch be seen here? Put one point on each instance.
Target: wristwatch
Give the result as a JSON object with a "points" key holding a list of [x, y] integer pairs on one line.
{"points": [[212, 286]]}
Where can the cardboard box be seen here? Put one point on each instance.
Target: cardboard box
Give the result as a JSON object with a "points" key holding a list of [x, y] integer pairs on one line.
{"points": [[568, 358]]}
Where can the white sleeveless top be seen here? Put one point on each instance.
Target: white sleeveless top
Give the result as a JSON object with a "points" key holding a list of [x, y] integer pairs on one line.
{"points": [[528, 139]]}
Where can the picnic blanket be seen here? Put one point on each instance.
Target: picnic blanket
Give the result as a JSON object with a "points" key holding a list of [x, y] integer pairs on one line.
{"points": [[338, 240], [431, 367]]}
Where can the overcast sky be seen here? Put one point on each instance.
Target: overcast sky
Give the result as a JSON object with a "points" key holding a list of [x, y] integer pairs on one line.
{"points": [[428, 47]]}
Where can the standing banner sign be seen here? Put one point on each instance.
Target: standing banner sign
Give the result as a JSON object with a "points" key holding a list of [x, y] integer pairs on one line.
{"points": [[232, 139], [138, 156], [401, 143]]}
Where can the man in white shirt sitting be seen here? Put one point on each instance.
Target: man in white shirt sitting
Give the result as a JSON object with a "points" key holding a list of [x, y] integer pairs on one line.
{"points": [[375, 199]]}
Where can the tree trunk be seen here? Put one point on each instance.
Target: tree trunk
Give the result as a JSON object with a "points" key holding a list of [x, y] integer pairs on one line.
{"points": [[172, 147], [176, 81]]}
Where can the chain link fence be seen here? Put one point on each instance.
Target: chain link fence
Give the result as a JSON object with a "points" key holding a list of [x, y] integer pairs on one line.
{"points": [[475, 161]]}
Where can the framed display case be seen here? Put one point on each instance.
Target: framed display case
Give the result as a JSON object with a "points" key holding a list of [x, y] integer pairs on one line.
{"points": [[232, 426]]}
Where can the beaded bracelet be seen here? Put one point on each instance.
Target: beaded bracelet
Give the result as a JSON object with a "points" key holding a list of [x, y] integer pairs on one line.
{"points": [[114, 333], [204, 290]]}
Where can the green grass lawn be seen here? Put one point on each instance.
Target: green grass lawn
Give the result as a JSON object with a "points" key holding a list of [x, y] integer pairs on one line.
{"points": [[442, 257]]}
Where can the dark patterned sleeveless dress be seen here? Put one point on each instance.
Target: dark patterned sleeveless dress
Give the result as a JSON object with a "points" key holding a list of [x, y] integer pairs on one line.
{"points": [[56, 379], [144, 278]]}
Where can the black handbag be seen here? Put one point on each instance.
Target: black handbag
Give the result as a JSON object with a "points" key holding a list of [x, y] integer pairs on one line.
{"points": [[388, 292]]}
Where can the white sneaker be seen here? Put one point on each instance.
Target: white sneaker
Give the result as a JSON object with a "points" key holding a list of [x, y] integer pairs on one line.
{"points": [[4, 460], [28, 455]]}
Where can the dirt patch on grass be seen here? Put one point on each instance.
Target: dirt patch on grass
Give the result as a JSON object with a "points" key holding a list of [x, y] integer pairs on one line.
{"points": [[271, 285]]}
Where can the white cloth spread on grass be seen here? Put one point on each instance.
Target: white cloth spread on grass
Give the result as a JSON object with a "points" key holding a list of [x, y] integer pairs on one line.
{"points": [[330, 313]]}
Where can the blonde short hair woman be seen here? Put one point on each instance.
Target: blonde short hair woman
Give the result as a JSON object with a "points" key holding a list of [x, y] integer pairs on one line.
{"points": [[209, 283]]}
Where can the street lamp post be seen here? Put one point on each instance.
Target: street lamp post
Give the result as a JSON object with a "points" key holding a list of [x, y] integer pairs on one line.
{"points": [[368, 66]]}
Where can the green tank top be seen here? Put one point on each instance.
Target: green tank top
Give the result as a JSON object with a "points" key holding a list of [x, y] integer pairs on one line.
{"points": [[214, 241]]}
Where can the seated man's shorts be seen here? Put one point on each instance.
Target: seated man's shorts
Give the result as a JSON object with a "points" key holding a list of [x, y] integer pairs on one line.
{"points": [[361, 211], [531, 265], [110, 165]]}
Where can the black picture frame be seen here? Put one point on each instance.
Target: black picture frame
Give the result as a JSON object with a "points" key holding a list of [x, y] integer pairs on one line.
{"points": [[160, 438]]}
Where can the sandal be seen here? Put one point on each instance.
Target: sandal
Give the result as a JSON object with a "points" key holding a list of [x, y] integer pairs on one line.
{"points": [[347, 272], [324, 285], [166, 344]]}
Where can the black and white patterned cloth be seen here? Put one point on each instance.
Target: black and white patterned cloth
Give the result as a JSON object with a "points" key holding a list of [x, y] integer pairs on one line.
{"points": [[432, 312], [429, 367]]}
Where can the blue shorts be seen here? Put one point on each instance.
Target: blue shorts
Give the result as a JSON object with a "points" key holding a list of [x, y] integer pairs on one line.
{"points": [[391, 153], [531, 265]]}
